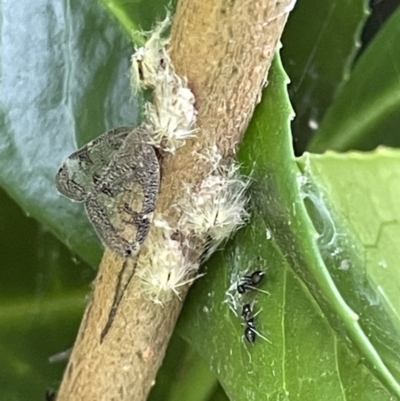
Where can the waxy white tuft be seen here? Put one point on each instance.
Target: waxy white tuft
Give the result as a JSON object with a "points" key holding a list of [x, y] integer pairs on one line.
{"points": [[164, 268], [147, 61], [171, 112], [216, 209]]}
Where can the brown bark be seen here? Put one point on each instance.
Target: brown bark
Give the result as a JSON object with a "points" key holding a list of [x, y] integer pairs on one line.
{"points": [[225, 49]]}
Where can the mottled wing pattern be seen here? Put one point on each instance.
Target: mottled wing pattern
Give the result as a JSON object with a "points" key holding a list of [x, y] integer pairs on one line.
{"points": [[83, 169], [117, 176], [126, 196]]}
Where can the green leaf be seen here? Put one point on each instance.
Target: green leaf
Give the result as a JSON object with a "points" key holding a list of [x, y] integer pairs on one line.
{"points": [[219, 395], [65, 80], [183, 375], [356, 241], [320, 42], [366, 114], [42, 297], [307, 316]]}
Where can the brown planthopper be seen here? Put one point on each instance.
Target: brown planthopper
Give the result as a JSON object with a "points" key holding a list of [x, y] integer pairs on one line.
{"points": [[117, 176]]}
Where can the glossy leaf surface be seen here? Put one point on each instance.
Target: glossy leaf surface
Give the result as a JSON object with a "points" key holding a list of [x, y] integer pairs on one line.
{"points": [[42, 298], [366, 114], [63, 82], [320, 43]]}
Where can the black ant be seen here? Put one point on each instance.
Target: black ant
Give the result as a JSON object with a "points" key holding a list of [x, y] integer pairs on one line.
{"points": [[250, 331], [250, 281]]}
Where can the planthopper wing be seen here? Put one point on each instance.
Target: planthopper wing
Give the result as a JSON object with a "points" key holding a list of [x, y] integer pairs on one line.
{"points": [[121, 204], [83, 169]]}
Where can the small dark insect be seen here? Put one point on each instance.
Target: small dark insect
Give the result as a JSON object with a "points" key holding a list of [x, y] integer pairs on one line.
{"points": [[250, 281], [250, 332], [255, 277]]}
